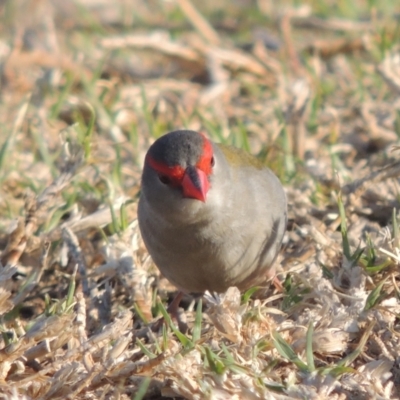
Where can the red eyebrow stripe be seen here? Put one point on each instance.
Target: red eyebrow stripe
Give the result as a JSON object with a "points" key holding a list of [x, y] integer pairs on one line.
{"points": [[205, 161], [176, 172]]}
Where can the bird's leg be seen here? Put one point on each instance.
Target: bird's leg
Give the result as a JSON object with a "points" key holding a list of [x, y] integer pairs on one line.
{"points": [[173, 311], [174, 306], [277, 283], [273, 278]]}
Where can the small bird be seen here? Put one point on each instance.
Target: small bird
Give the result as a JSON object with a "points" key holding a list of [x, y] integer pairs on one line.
{"points": [[211, 216]]}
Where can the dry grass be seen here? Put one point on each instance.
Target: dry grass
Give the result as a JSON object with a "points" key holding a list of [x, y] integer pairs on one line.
{"points": [[86, 86]]}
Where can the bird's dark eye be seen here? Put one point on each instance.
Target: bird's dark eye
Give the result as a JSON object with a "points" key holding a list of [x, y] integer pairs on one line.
{"points": [[164, 179], [212, 162]]}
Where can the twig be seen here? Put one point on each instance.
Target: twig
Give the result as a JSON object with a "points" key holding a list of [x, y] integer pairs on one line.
{"points": [[98, 219], [73, 245], [15, 246], [199, 22], [390, 171], [37, 276], [332, 24], [159, 41]]}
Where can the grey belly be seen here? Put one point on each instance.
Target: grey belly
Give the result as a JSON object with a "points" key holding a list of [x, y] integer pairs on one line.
{"points": [[212, 264]]}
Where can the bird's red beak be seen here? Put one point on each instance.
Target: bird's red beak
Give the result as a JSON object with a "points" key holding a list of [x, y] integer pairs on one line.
{"points": [[195, 184]]}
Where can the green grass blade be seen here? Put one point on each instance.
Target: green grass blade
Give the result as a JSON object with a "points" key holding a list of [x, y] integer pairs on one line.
{"points": [[144, 349], [375, 296], [309, 347], [181, 337], [286, 351], [343, 228], [142, 389], [396, 235], [197, 323]]}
